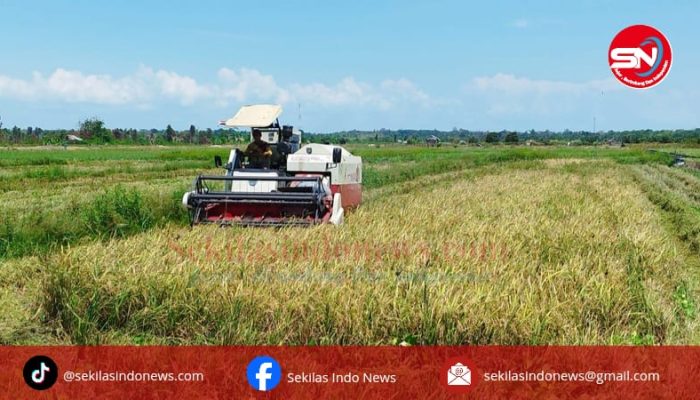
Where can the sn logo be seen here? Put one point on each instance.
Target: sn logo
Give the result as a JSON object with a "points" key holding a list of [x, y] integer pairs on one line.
{"points": [[632, 57], [639, 56]]}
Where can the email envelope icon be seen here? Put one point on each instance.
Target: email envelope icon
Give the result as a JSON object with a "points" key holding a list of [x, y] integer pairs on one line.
{"points": [[459, 375]]}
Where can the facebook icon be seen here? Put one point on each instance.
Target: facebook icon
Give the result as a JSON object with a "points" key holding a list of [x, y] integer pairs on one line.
{"points": [[264, 373]]}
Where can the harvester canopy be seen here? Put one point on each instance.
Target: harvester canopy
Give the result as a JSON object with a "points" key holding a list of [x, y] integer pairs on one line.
{"points": [[255, 116]]}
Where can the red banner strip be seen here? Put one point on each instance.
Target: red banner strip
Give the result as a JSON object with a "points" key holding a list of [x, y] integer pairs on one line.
{"points": [[203, 372]]}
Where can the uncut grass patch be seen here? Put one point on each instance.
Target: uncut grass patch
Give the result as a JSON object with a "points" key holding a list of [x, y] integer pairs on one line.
{"points": [[114, 212], [69, 176], [676, 193], [59, 156]]}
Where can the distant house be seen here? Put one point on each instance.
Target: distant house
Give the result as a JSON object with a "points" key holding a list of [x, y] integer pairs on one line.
{"points": [[533, 143], [432, 140], [615, 143], [73, 138]]}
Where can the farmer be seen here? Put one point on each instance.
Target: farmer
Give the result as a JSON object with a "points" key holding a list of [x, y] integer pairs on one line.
{"points": [[258, 151]]}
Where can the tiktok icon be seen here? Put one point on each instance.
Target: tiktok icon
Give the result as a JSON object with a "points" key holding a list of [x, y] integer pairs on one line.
{"points": [[40, 372]]}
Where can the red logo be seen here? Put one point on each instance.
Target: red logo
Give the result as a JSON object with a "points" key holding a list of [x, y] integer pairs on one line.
{"points": [[458, 375], [640, 56]]}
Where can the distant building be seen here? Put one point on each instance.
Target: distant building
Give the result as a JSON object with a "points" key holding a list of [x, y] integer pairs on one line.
{"points": [[73, 138]]}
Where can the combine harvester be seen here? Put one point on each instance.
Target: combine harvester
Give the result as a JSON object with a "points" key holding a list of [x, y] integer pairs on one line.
{"points": [[296, 186]]}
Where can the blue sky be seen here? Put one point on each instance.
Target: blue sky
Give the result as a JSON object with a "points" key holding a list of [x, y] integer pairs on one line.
{"points": [[362, 64]]}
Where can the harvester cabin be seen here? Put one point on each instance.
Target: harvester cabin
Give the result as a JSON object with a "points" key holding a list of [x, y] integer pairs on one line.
{"points": [[283, 139]]}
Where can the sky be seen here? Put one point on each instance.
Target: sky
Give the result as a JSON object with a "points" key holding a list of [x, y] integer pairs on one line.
{"points": [[493, 65]]}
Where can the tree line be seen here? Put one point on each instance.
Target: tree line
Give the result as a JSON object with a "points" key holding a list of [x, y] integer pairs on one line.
{"points": [[454, 136], [94, 131]]}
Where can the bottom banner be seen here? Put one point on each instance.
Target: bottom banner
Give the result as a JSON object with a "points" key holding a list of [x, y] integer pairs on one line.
{"points": [[202, 372]]}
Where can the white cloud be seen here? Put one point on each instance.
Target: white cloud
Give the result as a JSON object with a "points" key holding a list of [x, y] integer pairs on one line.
{"points": [[507, 94], [239, 86], [348, 91], [403, 89], [521, 23], [184, 88], [74, 86], [16, 88], [514, 85], [249, 84]]}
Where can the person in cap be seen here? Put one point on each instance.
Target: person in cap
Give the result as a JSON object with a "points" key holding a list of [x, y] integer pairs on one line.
{"points": [[258, 151]]}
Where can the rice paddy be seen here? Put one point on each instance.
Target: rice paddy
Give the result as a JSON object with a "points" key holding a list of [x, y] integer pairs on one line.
{"points": [[501, 245]]}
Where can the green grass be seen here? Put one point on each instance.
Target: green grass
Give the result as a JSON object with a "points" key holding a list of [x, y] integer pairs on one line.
{"points": [[59, 156], [693, 152], [412, 162], [35, 220], [115, 212]]}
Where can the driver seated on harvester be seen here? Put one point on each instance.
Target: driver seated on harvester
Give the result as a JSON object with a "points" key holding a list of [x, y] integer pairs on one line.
{"points": [[258, 151]]}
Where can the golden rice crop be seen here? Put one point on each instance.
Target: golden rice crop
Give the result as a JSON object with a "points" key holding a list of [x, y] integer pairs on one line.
{"points": [[557, 253]]}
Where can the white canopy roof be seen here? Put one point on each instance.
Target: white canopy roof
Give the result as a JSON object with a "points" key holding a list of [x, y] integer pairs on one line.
{"points": [[255, 116]]}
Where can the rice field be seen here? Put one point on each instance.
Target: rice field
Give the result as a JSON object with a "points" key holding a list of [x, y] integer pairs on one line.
{"points": [[502, 245]]}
